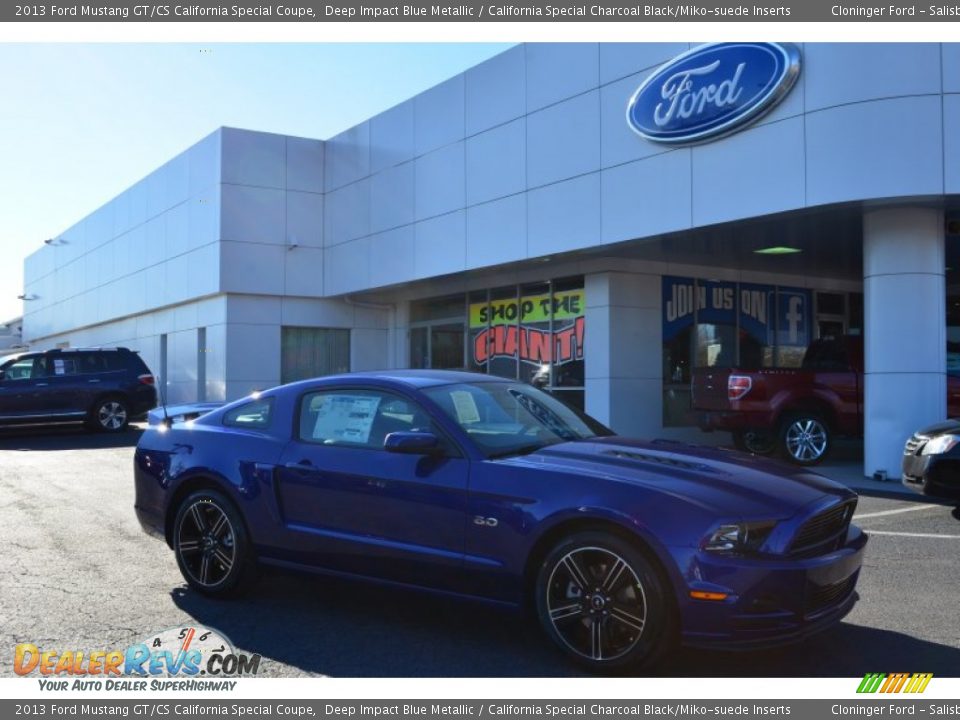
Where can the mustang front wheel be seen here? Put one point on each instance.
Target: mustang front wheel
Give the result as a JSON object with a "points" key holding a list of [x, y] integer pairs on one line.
{"points": [[211, 545], [603, 603]]}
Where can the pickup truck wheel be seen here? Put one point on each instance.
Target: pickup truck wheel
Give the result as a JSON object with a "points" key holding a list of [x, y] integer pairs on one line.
{"points": [[804, 438], [755, 442]]}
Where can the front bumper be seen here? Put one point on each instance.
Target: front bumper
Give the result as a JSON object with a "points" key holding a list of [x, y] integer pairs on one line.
{"points": [[932, 475], [771, 601], [150, 523]]}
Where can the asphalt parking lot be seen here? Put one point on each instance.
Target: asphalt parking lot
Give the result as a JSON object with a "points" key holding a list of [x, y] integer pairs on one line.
{"points": [[76, 572]]}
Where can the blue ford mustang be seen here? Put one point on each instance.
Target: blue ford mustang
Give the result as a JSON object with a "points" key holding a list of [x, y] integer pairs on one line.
{"points": [[473, 485]]}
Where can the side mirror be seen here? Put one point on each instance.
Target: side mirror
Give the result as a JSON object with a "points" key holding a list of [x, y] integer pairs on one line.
{"points": [[412, 443]]}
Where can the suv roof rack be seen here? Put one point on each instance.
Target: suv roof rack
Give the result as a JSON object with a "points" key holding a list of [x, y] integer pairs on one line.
{"points": [[88, 349]]}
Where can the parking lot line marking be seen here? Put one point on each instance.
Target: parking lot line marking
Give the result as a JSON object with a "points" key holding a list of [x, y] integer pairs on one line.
{"points": [[917, 535], [895, 512]]}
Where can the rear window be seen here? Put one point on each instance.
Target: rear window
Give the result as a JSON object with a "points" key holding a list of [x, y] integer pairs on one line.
{"points": [[826, 355], [255, 414]]}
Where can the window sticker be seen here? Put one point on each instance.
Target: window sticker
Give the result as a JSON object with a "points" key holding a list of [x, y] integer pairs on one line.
{"points": [[58, 368], [465, 406], [345, 418]]}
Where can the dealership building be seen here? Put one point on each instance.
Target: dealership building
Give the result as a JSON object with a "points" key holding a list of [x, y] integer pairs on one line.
{"points": [[603, 219]]}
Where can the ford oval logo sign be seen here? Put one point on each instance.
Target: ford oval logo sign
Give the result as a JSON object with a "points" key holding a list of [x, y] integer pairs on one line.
{"points": [[712, 91]]}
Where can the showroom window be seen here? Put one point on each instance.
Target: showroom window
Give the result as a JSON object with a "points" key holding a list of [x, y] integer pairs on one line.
{"points": [[722, 324], [307, 352], [533, 332]]}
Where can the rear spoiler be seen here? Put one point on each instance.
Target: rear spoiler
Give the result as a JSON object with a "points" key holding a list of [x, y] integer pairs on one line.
{"points": [[180, 413]]}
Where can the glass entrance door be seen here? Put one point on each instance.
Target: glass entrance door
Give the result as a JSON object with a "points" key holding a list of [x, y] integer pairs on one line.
{"points": [[438, 346], [446, 346]]}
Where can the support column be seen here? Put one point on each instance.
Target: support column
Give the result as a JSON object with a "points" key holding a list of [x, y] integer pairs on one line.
{"points": [[904, 331], [623, 355]]}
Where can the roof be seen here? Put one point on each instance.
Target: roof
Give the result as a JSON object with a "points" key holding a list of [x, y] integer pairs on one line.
{"points": [[413, 378]]}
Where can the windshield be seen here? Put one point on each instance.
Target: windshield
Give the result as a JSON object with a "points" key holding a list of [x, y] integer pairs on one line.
{"points": [[511, 418]]}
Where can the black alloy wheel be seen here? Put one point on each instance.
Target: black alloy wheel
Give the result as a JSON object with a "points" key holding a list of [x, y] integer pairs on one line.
{"points": [[211, 545], [603, 603]]}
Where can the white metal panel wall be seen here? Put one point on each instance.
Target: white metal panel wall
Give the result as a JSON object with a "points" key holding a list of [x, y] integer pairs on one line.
{"points": [[239, 211], [121, 259], [865, 121]]}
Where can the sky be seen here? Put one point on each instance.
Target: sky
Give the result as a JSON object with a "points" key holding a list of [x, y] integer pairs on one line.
{"points": [[80, 123]]}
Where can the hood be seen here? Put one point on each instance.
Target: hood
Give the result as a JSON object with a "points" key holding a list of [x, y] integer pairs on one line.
{"points": [[947, 427], [725, 481]]}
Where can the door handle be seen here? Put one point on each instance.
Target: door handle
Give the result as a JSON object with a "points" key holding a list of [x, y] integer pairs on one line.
{"points": [[95, 380], [41, 385], [302, 466]]}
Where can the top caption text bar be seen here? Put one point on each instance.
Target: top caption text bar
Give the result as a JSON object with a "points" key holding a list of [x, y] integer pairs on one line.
{"points": [[472, 11]]}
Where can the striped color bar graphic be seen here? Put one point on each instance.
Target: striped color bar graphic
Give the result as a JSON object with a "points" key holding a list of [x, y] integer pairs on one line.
{"points": [[894, 682]]}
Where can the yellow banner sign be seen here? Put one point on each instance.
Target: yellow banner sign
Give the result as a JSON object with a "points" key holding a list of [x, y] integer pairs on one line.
{"points": [[566, 305]]}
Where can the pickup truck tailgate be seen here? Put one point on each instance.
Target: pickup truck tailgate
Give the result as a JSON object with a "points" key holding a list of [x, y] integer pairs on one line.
{"points": [[710, 389]]}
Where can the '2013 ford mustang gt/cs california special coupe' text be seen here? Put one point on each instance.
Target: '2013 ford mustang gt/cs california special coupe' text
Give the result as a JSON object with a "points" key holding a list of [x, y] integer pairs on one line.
{"points": [[479, 486]]}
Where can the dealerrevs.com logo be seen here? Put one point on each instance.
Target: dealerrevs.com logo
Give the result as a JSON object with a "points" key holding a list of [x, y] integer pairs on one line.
{"points": [[187, 652], [894, 682]]}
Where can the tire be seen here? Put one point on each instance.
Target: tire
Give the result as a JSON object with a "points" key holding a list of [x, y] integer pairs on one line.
{"points": [[109, 415], [212, 547], [604, 604], [805, 438], [755, 442]]}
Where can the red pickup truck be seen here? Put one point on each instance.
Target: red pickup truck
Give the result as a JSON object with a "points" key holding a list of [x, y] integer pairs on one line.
{"points": [[797, 412]]}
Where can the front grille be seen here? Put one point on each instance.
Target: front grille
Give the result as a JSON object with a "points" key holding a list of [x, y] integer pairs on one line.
{"points": [[914, 444], [825, 530], [820, 597]]}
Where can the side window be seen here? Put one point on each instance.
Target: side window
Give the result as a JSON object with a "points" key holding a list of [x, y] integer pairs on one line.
{"points": [[255, 414], [60, 365], [90, 363], [358, 418], [22, 369], [113, 361]]}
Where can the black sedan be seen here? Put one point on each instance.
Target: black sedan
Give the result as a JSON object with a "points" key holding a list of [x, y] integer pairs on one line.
{"points": [[931, 460]]}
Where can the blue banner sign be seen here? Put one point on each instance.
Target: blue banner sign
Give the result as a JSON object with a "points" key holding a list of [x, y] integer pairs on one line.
{"points": [[712, 91], [764, 310]]}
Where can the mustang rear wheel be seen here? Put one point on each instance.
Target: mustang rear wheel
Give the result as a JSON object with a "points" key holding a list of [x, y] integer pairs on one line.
{"points": [[603, 603], [211, 544]]}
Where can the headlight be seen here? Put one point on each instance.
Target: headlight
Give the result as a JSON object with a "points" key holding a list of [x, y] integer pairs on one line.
{"points": [[940, 444], [739, 537]]}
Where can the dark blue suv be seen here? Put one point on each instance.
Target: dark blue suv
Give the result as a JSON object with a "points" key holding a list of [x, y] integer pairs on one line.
{"points": [[103, 388]]}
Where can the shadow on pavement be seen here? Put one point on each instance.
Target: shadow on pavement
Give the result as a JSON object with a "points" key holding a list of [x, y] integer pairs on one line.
{"points": [[353, 629], [65, 437]]}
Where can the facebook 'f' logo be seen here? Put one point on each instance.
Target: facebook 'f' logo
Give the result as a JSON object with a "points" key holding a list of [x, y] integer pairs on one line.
{"points": [[794, 320]]}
